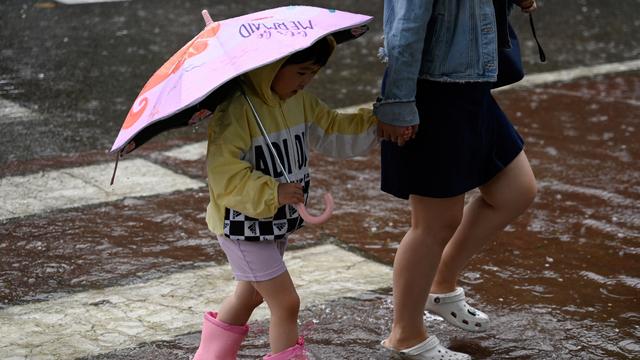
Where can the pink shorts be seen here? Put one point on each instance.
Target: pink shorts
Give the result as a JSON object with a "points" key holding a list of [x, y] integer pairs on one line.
{"points": [[254, 260]]}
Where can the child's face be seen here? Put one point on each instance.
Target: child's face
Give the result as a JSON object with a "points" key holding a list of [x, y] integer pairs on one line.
{"points": [[292, 78]]}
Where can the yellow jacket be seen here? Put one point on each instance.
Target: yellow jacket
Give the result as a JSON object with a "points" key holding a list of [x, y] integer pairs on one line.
{"points": [[243, 177]]}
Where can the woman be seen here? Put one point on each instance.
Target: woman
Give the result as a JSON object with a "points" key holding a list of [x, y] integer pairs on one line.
{"points": [[441, 63]]}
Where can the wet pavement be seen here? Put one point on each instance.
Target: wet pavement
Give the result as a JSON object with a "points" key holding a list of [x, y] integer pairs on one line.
{"points": [[563, 281], [79, 66]]}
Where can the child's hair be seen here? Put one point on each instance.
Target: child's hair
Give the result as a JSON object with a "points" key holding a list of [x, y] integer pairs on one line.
{"points": [[319, 53]]}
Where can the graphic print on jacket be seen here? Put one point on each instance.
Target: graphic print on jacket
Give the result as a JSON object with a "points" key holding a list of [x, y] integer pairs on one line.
{"points": [[290, 146]]}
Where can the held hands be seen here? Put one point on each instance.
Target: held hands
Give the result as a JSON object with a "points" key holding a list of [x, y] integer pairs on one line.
{"points": [[527, 6], [290, 193], [398, 134]]}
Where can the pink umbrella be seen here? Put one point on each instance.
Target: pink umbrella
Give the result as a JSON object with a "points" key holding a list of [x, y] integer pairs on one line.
{"points": [[186, 83]]}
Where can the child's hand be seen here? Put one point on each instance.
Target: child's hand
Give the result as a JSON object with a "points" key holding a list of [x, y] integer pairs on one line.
{"points": [[129, 148], [290, 193], [409, 132], [199, 116], [528, 6]]}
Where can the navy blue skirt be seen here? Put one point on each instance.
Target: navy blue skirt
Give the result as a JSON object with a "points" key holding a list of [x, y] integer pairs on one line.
{"points": [[463, 141]]}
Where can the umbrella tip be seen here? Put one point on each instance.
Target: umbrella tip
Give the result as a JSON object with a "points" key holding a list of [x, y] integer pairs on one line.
{"points": [[207, 18]]}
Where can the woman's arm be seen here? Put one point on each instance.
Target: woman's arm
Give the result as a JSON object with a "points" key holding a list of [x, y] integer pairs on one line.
{"points": [[405, 27]]}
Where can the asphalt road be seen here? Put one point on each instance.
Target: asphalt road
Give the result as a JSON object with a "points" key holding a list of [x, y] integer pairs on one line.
{"points": [[75, 70]]}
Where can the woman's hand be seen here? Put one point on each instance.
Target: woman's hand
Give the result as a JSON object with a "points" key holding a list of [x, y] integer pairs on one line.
{"points": [[397, 134], [527, 6], [290, 193]]}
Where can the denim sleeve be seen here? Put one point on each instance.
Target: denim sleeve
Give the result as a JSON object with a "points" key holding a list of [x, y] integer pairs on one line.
{"points": [[405, 27]]}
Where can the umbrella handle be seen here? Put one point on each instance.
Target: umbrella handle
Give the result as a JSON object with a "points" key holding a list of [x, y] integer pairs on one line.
{"points": [[326, 214], [207, 18]]}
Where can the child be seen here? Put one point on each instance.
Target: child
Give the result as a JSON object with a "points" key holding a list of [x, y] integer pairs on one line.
{"points": [[251, 205]]}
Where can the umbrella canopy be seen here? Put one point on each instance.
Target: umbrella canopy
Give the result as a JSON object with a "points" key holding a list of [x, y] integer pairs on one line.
{"points": [[222, 51]]}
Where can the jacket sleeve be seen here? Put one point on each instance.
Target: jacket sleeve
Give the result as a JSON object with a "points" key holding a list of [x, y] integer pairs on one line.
{"points": [[339, 135], [405, 27], [233, 181]]}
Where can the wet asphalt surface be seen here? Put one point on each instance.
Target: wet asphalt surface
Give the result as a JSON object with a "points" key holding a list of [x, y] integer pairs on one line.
{"points": [[563, 281], [80, 66]]}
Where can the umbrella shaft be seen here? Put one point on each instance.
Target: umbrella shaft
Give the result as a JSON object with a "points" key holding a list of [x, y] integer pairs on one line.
{"points": [[264, 134]]}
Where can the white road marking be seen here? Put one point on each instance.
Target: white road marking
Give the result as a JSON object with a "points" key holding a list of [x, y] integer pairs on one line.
{"points": [[80, 2], [72, 187], [12, 112], [60, 189], [99, 321], [575, 73], [189, 152]]}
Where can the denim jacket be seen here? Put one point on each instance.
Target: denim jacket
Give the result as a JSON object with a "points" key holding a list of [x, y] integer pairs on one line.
{"points": [[440, 40]]}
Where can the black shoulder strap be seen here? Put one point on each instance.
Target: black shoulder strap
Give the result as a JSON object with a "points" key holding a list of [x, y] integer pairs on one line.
{"points": [[541, 53]]}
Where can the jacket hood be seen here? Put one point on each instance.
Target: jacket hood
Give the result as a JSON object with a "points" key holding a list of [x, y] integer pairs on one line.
{"points": [[259, 80]]}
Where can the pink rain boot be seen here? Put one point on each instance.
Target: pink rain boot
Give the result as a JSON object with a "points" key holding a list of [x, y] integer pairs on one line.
{"points": [[219, 340], [296, 352]]}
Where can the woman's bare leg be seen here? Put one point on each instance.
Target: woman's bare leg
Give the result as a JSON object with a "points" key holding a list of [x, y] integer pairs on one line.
{"points": [[433, 222], [502, 199]]}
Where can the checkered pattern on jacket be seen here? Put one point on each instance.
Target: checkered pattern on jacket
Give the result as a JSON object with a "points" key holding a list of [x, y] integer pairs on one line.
{"points": [[238, 226]]}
